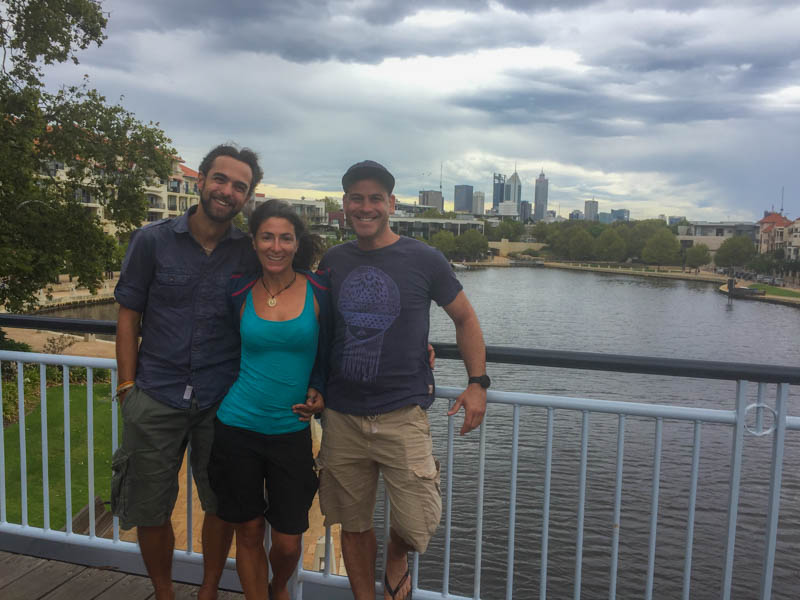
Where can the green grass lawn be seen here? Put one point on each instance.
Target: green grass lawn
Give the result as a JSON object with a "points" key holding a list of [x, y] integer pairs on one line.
{"points": [[775, 291], [55, 442]]}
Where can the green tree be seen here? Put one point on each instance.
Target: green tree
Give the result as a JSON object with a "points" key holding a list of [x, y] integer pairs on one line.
{"points": [[581, 244], [510, 230], [539, 232], [662, 248], [332, 204], [430, 213], [471, 245], [736, 251], [697, 256], [610, 246], [640, 234], [445, 242], [57, 148]]}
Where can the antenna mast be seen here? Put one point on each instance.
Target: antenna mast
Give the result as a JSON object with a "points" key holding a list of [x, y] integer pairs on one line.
{"points": [[440, 177]]}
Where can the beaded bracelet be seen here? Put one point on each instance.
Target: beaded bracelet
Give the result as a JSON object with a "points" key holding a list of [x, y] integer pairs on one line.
{"points": [[122, 387]]}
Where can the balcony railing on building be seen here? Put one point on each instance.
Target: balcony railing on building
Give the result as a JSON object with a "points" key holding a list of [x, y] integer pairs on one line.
{"points": [[464, 529]]}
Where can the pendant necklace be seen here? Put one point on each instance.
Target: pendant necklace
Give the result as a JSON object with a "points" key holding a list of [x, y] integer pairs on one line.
{"points": [[273, 297]]}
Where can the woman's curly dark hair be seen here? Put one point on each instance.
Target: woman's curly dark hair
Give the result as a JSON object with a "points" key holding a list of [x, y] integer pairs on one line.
{"points": [[309, 246]]}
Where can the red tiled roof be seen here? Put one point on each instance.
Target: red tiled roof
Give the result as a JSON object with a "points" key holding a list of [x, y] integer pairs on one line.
{"points": [[188, 172], [775, 219], [768, 228]]}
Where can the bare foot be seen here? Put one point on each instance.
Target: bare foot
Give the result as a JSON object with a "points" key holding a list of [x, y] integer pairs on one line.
{"points": [[397, 581]]}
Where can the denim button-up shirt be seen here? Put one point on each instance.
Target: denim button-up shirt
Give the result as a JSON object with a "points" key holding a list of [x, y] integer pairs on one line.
{"points": [[188, 338]]}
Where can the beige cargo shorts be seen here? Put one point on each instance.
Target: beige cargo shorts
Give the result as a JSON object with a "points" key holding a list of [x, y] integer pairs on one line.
{"points": [[397, 445]]}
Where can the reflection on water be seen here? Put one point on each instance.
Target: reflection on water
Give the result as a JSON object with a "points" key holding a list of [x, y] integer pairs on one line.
{"points": [[622, 314]]}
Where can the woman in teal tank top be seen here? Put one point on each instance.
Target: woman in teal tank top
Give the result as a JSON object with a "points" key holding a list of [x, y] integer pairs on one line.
{"points": [[262, 436]]}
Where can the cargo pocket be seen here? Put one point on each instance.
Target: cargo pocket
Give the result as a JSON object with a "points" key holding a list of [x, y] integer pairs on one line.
{"points": [[119, 474], [429, 476]]}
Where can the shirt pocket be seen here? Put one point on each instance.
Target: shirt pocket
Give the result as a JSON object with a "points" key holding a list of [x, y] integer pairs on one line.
{"points": [[173, 286]]}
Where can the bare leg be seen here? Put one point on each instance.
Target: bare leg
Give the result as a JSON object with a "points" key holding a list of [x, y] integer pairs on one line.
{"points": [[397, 565], [359, 551], [251, 559], [157, 545], [217, 535], [283, 556]]}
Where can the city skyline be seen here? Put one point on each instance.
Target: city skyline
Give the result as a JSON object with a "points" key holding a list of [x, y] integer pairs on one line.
{"points": [[660, 107]]}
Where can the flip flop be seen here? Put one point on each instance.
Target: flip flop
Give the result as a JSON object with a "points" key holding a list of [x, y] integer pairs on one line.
{"points": [[394, 590]]}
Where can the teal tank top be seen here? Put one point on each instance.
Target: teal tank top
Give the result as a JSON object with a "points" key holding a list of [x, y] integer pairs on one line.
{"points": [[276, 362]]}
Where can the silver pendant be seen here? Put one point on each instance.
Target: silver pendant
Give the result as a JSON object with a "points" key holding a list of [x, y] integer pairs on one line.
{"points": [[272, 302]]}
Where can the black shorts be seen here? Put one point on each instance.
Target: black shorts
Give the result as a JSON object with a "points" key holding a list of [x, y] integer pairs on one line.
{"points": [[243, 462]]}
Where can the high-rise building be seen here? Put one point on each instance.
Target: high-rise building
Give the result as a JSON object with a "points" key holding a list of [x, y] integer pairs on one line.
{"points": [[524, 211], [462, 198], [432, 198], [620, 214], [540, 198], [576, 215], [604, 217], [478, 202], [590, 210], [498, 191], [514, 190]]}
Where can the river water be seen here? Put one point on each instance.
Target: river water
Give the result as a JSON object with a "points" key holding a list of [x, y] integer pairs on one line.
{"points": [[620, 314]]}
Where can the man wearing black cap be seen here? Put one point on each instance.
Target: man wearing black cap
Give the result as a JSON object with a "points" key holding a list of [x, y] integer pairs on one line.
{"points": [[381, 383]]}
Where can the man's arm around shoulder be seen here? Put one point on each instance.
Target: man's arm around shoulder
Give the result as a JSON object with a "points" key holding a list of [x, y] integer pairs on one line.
{"points": [[473, 351]]}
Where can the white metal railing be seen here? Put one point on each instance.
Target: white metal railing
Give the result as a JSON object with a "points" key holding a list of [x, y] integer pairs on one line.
{"points": [[90, 549]]}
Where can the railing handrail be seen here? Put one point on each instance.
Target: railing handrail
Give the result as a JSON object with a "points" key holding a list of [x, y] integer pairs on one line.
{"points": [[597, 361]]}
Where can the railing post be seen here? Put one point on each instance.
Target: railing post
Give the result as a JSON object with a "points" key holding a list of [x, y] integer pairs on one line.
{"points": [[90, 445], [775, 475], [612, 590], [45, 450], [479, 510], [23, 459], [448, 511], [687, 561], [654, 494], [512, 509], [576, 594], [548, 469], [733, 494], [67, 451]]}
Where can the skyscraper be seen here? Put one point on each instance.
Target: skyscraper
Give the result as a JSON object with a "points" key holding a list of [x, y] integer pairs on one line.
{"points": [[524, 211], [590, 209], [514, 189], [462, 198], [540, 198], [432, 198], [620, 214], [478, 201], [498, 191]]}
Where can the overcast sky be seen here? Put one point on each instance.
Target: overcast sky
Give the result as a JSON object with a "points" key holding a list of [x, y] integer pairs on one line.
{"points": [[674, 107]]}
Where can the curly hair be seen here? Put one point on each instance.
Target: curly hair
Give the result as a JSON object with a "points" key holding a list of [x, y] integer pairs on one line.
{"points": [[244, 155]]}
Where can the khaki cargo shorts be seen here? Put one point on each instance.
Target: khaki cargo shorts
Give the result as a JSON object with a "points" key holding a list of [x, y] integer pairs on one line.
{"points": [[396, 444], [144, 481]]}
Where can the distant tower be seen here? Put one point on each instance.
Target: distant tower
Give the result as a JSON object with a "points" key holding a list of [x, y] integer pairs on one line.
{"points": [[498, 191], [590, 209], [478, 199], [540, 198], [462, 198], [514, 190]]}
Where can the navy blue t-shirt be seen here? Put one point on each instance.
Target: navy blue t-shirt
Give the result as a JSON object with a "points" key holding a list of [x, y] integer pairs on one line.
{"points": [[381, 299]]}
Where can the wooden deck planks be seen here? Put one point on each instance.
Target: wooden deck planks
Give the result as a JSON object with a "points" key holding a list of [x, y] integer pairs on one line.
{"points": [[129, 587], [37, 582], [14, 566], [31, 578], [86, 584]]}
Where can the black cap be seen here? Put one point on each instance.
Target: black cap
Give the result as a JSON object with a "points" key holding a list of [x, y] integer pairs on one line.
{"points": [[368, 169]]}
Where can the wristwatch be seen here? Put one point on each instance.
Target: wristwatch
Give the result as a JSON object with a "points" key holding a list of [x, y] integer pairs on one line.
{"points": [[482, 380]]}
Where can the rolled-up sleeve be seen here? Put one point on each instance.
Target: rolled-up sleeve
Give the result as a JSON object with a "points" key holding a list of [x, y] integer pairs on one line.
{"points": [[137, 272]]}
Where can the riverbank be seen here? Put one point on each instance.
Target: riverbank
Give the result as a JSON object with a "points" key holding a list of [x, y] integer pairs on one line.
{"points": [[770, 298]]}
